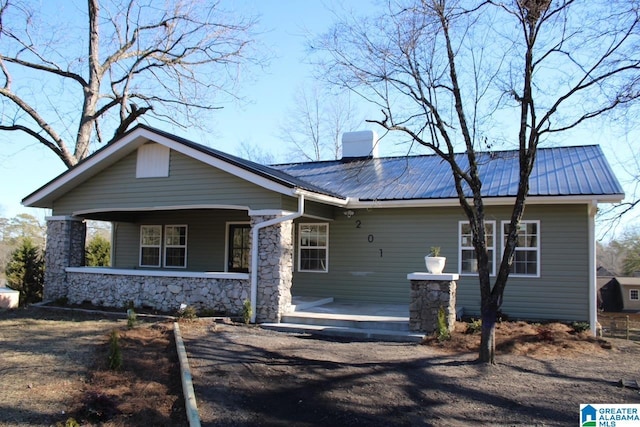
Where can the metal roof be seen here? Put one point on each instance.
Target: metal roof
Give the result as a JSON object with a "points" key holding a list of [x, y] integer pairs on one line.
{"points": [[558, 171]]}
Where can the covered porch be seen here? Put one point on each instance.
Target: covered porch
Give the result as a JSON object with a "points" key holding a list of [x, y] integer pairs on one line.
{"points": [[164, 258]]}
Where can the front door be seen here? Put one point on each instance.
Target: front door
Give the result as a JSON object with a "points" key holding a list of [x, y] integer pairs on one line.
{"points": [[239, 237]]}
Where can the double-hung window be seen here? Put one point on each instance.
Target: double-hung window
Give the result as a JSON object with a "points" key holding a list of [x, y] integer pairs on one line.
{"points": [[175, 246], [150, 245], [526, 259], [313, 248], [174, 251], [633, 295], [468, 260]]}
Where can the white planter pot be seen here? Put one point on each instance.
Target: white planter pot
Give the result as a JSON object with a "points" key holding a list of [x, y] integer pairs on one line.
{"points": [[435, 264]]}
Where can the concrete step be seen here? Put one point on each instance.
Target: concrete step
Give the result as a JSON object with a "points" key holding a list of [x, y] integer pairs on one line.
{"points": [[390, 323], [345, 332]]}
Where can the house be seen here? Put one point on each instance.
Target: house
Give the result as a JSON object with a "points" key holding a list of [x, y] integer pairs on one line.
{"points": [[621, 294], [197, 226]]}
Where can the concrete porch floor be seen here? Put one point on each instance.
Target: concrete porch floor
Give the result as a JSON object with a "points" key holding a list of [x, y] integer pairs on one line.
{"points": [[324, 316], [327, 307]]}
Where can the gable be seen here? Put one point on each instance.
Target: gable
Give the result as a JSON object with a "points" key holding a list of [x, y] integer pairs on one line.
{"points": [[188, 182]]}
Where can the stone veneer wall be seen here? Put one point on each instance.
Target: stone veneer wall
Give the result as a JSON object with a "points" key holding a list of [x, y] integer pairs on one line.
{"points": [[275, 269], [427, 296], [65, 248], [158, 292]]}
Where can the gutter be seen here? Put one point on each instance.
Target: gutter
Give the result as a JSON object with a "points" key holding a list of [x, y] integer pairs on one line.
{"points": [[593, 288], [254, 249]]}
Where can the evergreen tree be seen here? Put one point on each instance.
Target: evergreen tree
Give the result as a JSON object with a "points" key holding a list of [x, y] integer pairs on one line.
{"points": [[98, 252], [25, 272]]}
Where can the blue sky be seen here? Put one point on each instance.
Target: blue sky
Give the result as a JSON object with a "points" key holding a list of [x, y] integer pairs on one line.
{"points": [[269, 93]]}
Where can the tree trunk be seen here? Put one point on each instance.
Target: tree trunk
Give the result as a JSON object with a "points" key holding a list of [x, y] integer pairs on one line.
{"points": [[488, 336]]}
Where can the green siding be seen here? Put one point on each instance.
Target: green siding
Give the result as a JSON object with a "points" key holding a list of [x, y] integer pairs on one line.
{"points": [[206, 237], [358, 271], [190, 182]]}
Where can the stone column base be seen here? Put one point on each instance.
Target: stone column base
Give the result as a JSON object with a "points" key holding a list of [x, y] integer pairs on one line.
{"points": [[429, 294]]}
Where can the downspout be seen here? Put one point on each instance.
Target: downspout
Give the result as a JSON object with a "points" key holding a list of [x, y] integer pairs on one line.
{"points": [[254, 250], [593, 299]]}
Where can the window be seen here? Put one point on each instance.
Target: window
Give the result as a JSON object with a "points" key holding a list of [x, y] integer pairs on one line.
{"points": [[468, 261], [526, 259], [633, 294], [175, 246], [313, 250], [150, 241], [239, 248]]}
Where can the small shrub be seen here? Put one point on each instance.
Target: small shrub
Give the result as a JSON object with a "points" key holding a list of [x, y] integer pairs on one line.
{"points": [[115, 353], [247, 311], [71, 422], [443, 328], [579, 327], [474, 326], [187, 312], [131, 318]]}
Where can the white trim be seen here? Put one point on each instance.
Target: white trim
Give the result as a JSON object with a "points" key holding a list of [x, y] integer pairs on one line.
{"points": [[158, 273], [268, 212], [165, 246], [488, 201], [436, 277], [325, 247], [494, 248], [637, 291], [227, 237], [161, 208], [538, 247], [330, 200]]}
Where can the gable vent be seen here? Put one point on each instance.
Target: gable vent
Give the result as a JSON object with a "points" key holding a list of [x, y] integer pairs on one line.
{"points": [[153, 161], [361, 144]]}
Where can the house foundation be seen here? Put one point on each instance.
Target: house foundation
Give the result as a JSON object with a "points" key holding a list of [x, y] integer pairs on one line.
{"points": [[429, 294]]}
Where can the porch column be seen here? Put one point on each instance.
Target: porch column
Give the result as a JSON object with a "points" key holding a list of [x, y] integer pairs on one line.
{"points": [[429, 293], [275, 268], [66, 237]]}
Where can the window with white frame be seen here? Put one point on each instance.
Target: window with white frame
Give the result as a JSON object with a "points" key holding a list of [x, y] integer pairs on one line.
{"points": [[175, 246], [526, 259], [467, 259], [174, 251], [313, 248], [634, 294], [150, 243]]}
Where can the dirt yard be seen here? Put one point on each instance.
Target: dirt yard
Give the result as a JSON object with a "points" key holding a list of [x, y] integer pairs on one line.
{"points": [[257, 377], [54, 368]]}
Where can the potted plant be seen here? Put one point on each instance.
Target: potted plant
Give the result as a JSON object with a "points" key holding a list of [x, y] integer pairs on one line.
{"points": [[435, 262]]}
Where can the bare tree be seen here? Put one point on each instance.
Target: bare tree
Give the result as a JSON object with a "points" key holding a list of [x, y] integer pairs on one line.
{"points": [[67, 88], [316, 123], [457, 76]]}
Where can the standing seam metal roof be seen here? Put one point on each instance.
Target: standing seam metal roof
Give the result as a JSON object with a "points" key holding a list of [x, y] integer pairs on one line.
{"points": [[559, 171]]}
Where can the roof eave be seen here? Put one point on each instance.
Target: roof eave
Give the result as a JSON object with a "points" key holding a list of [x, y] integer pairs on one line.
{"points": [[488, 201]]}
